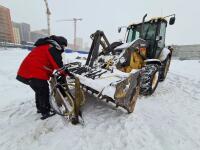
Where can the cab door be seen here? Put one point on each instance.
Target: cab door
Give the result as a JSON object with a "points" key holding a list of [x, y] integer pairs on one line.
{"points": [[161, 38]]}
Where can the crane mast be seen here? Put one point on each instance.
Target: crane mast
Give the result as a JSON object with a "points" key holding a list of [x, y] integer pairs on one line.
{"points": [[48, 16]]}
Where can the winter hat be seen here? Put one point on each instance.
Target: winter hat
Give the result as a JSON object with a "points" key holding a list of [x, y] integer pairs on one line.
{"points": [[59, 39]]}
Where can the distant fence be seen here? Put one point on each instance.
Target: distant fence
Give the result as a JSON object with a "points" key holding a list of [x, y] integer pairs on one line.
{"points": [[78, 51], [186, 51], [31, 46], [14, 45], [180, 51]]}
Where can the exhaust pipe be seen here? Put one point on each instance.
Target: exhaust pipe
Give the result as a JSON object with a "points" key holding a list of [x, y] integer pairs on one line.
{"points": [[142, 28]]}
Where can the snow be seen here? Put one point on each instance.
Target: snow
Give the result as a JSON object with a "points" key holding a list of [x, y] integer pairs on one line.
{"points": [[105, 83], [70, 57], [126, 45], [187, 69], [167, 120], [9, 87], [102, 84]]}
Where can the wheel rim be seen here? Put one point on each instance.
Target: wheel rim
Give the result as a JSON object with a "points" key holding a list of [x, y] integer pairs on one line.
{"points": [[67, 105], [166, 68], [155, 80]]}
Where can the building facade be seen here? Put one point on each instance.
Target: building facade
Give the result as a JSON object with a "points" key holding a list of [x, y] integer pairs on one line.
{"points": [[16, 35], [35, 35], [6, 29], [25, 31], [16, 32]]}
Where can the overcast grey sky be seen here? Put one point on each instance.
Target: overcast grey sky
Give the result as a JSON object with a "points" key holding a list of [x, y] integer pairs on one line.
{"points": [[107, 15]]}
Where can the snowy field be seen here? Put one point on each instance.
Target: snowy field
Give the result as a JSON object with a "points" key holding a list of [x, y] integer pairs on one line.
{"points": [[167, 120]]}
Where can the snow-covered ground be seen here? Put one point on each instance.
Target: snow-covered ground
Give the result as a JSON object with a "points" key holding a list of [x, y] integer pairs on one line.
{"points": [[167, 120]]}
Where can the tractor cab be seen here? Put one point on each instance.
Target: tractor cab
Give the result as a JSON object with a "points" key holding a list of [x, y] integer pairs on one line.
{"points": [[153, 32]]}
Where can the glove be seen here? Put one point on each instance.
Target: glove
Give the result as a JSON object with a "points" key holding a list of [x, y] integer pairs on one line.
{"points": [[69, 73], [61, 79]]}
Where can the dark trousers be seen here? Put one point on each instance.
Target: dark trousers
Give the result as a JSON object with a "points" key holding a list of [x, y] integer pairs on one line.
{"points": [[41, 89]]}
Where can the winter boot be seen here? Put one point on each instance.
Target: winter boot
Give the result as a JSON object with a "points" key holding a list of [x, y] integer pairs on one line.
{"points": [[47, 115]]}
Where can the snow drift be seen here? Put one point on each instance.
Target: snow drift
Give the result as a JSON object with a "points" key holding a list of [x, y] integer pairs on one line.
{"points": [[167, 120]]}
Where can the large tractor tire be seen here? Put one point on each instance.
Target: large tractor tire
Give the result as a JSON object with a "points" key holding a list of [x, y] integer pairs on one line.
{"points": [[149, 79], [164, 68]]}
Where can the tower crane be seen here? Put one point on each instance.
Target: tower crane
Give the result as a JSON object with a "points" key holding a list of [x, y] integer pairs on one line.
{"points": [[75, 27]]}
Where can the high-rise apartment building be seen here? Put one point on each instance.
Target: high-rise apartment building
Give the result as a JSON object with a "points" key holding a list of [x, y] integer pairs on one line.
{"points": [[16, 31], [6, 30], [16, 35], [25, 30], [35, 35]]}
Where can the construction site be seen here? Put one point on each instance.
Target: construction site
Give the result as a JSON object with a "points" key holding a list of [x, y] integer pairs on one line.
{"points": [[129, 89]]}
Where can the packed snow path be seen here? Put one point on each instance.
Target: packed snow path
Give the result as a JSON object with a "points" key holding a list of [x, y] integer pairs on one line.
{"points": [[167, 120]]}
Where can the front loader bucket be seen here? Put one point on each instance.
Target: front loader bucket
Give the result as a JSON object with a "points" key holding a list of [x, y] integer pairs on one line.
{"points": [[127, 92], [122, 91]]}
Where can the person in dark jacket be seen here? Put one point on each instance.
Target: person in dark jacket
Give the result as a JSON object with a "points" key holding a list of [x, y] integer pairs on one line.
{"points": [[38, 66]]}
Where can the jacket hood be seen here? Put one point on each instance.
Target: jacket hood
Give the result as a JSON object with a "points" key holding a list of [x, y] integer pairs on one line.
{"points": [[48, 40]]}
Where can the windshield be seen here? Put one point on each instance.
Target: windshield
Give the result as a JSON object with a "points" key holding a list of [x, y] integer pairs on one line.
{"points": [[133, 34], [148, 34]]}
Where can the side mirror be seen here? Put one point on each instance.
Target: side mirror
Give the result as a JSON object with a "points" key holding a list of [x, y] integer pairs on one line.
{"points": [[172, 20], [119, 29], [158, 38]]}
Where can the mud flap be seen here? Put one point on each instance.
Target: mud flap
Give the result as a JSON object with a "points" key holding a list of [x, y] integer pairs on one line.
{"points": [[79, 101], [127, 92]]}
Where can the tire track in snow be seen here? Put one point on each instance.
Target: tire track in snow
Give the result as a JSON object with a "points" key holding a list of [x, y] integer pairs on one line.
{"points": [[185, 84], [22, 126], [174, 109]]}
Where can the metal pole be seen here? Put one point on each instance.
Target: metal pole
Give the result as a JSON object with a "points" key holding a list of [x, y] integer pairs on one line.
{"points": [[48, 24], [75, 33], [48, 17], [75, 28]]}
